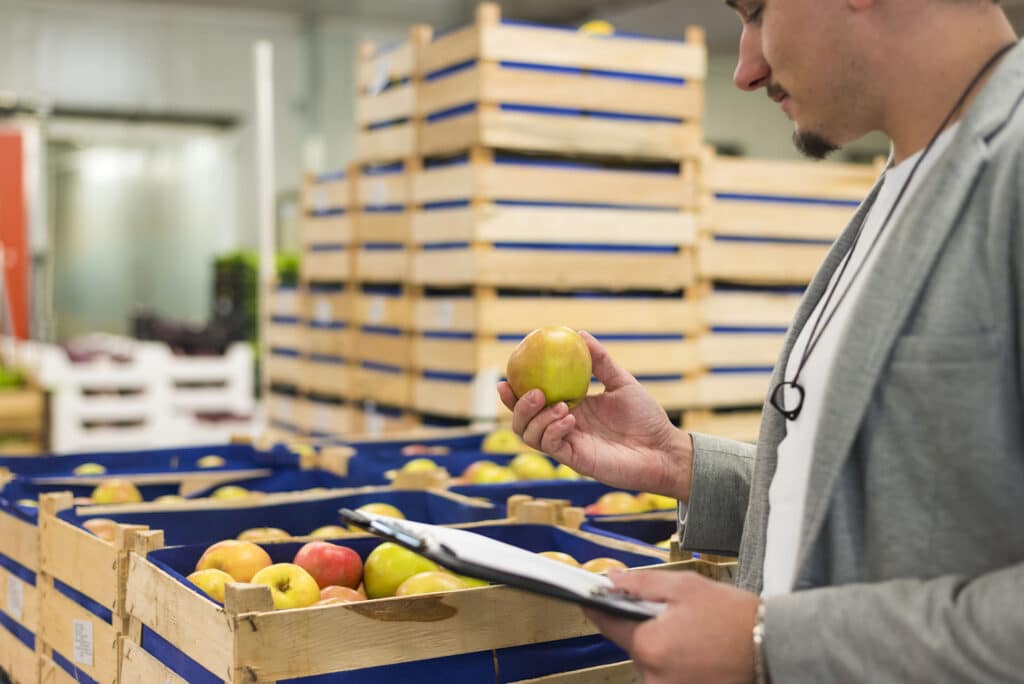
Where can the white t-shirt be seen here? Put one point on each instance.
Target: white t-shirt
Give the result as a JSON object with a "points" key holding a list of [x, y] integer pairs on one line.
{"points": [[788, 492]]}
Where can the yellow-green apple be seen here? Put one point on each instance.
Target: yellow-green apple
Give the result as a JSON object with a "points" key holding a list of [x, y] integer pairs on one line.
{"points": [[564, 472], [555, 360], [664, 544], [530, 466], [290, 585], [212, 582], [655, 502], [615, 503], [330, 564], [560, 557], [229, 492], [388, 566], [378, 508], [169, 499], [116, 491], [469, 581], [263, 534], [89, 469], [240, 559], [489, 472], [502, 441], [329, 532], [419, 465], [604, 564], [101, 527], [211, 461], [428, 583], [339, 593]]}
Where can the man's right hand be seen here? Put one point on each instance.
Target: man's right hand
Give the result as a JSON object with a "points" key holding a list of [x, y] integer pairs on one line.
{"points": [[621, 437]]}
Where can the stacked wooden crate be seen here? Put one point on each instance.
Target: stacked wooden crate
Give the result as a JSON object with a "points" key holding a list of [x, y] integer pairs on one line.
{"points": [[556, 187], [765, 229]]}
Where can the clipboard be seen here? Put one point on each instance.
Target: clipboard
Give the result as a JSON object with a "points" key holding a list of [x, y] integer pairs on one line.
{"points": [[475, 555]]}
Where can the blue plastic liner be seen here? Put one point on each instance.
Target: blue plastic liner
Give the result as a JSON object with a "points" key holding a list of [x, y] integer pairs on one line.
{"points": [[649, 531], [503, 665], [75, 673], [23, 635], [288, 481], [298, 518], [32, 489]]}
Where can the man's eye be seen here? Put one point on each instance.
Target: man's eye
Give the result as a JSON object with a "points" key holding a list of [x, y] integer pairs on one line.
{"points": [[754, 17]]}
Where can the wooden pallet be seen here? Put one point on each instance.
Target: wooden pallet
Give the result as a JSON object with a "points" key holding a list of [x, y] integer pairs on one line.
{"points": [[285, 367], [327, 376], [371, 420], [19, 598], [232, 641], [319, 418], [544, 89], [384, 384]]}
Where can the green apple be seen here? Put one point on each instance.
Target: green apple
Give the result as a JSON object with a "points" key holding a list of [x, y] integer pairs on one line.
{"points": [[532, 466], [489, 472], [212, 582], [564, 472], [388, 566], [116, 491], [502, 441], [89, 469], [555, 360]]}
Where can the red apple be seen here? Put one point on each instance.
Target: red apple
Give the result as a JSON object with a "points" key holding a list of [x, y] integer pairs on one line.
{"points": [[336, 594], [330, 564]]}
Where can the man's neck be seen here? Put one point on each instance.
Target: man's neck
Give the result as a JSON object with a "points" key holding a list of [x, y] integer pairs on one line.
{"points": [[922, 91]]}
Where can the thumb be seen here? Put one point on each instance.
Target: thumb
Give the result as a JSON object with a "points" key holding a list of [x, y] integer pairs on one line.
{"points": [[611, 374]]}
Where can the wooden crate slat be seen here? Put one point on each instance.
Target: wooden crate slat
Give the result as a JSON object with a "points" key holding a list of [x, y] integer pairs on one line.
{"points": [[190, 622], [776, 220], [29, 619], [326, 266], [550, 46], [282, 408], [452, 48], [383, 227], [21, 410], [398, 102], [139, 667], [286, 301], [616, 673], [328, 379], [286, 335], [326, 306], [576, 225], [385, 387], [730, 389], [721, 350], [749, 309], [335, 229], [327, 418], [19, 541], [323, 196], [760, 263], [285, 370], [329, 341], [549, 269], [384, 310], [450, 91], [383, 65], [20, 661], [386, 144], [57, 617], [387, 349], [382, 265], [79, 559], [383, 189], [791, 179]]}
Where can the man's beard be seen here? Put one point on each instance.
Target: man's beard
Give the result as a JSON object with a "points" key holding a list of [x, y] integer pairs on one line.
{"points": [[812, 145]]}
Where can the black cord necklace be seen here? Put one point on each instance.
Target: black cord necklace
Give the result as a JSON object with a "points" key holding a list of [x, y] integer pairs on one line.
{"points": [[777, 398]]}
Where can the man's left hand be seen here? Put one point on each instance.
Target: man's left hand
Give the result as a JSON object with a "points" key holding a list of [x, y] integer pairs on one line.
{"points": [[704, 635]]}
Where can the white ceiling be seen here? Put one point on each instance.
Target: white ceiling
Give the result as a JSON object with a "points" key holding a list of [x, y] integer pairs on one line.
{"points": [[665, 18]]}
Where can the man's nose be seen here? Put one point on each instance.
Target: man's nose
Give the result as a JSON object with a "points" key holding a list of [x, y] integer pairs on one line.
{"points": [[752, 71]]}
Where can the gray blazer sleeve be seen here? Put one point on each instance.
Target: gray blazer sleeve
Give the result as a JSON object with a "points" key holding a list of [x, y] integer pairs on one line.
{"points": [[720, 487], [948, 629]]}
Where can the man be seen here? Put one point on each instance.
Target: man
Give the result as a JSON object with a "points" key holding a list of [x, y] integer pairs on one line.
{"points": [[879, 518]]}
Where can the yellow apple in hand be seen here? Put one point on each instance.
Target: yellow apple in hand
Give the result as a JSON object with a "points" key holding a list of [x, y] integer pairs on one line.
{"points": [[555, 360], [211, 461], [290, 585], [560, 557], [240, 559], [230, 492], [212, 582], [116, 491], [532, 466], [429, 582], [263, 534], [502, 441], [388, 566], [89, 469], [604, 564]]}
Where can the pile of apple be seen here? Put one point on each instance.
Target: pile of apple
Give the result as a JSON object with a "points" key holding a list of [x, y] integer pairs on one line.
{"points": [[525, 466], [269, 534], [624, 503]]}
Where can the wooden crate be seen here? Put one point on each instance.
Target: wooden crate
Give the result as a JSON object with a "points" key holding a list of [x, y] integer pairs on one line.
{"points": [[615, 673], [328, 316], [287, 301], [386, 85], [326, 192], [284, 412], [327, 376], [231, 641], [321, 418], [551, 90], [23, 420], [285, 367], [384, 384], [384, 346], [743, 426], [326, 231], [327, 264], [383, 306], [285, 332], [332, 339], [19, 598], [372, 420]]}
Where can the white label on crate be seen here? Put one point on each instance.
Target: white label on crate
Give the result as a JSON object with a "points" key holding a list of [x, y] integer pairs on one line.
{"points": [[82, 653], [485, 394], [444, 314], [15, 598], [323, 419], [380, 75], [322, 310], [284, 409], [374, 420], [321, 201], [376, 310], [378, 193]]}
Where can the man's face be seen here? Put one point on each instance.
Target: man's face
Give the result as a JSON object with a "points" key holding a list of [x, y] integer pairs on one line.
{"points": [[798, 51]]}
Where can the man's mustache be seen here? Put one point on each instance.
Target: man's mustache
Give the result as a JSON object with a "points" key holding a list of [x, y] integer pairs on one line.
{"points": [[775, 91]]}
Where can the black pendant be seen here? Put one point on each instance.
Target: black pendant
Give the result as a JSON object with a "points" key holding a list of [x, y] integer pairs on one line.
{"points": [[792, 408]]}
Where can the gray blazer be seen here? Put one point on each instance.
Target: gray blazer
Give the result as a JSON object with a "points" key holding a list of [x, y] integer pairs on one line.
{"points": [[911, 559]]}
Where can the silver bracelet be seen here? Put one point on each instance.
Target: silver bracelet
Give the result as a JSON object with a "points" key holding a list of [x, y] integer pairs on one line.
{"points": [[760, 661]]}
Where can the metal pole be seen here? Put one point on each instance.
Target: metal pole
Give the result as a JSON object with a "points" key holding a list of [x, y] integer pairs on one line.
{"points": [[263, 54]]}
